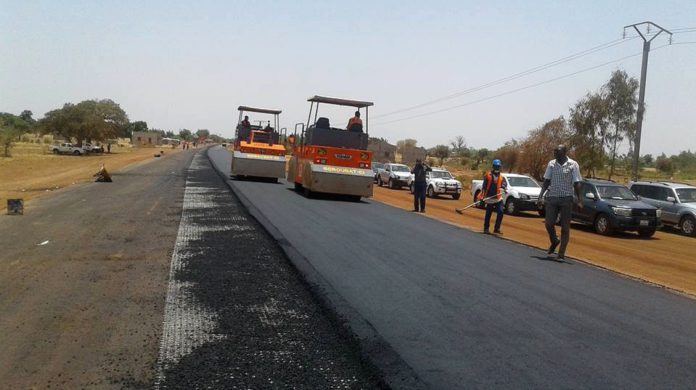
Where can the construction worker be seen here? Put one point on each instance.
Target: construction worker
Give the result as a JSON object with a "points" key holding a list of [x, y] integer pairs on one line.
{"points": [[491, 197], [419, 184], [245, 122], [562, 179], [355, 123]]}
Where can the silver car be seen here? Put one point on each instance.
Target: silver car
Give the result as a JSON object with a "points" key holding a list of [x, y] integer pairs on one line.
{"points": [[677, 202]]}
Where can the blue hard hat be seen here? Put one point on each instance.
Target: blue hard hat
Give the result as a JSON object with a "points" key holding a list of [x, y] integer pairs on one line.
{"points": [[497, 163]]}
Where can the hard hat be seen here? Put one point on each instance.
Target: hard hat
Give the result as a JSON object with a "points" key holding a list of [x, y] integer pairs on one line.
{"points": [[497, 163]]}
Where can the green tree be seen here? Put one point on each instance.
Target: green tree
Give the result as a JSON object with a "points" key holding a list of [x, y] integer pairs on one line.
{"points": [[132, 127], [26, 116], [441, 152], [537, 148], [88, 120], [185, 135], [622, 103], [458, 145], [664, 164], [169, 134], [589, 122], [509, 154], [203, 133], [11, 128]]}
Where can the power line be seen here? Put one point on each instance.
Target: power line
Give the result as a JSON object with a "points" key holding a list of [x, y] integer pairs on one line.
{"points": [[520, 89], [515, 76]]}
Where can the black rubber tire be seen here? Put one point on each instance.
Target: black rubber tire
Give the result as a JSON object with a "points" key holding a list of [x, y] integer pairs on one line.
{"points": [[602, 225], [478, 204], [431, 192], [646, 233], [687, 225], [379, 181], [298, 187], [410, 188], [77, 152], [390, 184], [55, 151], [511, 207], [456, 196]]}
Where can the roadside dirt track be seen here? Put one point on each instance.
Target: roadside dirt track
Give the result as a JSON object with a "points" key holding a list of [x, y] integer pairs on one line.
{"points": [[667, 259]]}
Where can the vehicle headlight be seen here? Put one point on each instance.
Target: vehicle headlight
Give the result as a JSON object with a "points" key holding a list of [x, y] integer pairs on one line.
{"points": [[622, 211], [658, 213], [524, 196]]}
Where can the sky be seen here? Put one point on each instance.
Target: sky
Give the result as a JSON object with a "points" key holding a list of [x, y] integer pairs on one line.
{"points": [[186, 64]]}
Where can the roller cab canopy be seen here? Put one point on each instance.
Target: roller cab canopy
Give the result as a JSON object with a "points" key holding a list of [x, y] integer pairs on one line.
{"points": [[339, 102], [259, 110]]}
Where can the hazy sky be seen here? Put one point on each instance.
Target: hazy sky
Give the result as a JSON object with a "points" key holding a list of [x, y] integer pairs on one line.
{"points": [[190, 64]]}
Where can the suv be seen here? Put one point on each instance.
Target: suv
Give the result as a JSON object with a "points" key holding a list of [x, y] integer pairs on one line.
{"points": [[439, 181], [677, 202], [610, 206], [394, 175], [522, 193]]}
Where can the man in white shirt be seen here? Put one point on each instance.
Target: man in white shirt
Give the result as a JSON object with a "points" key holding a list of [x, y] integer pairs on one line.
{"points": [[562, 179]]}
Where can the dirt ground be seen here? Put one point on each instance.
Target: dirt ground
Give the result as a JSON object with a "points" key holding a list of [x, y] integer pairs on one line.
{"points": [[667, 259], [30, 174]]}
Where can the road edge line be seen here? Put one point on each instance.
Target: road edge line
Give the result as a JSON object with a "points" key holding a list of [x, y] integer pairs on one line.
{"points": [[396, 373]]}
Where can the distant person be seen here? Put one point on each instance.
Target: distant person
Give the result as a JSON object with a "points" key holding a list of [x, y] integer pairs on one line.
{"points": [[268, 128], [108, 147], [245, 122], [562, 179], [355, 124], [419, 172], [491, 197]]}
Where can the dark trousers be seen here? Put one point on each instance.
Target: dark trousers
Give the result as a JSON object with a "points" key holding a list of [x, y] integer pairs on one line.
{"points": [[419, 196], [498, 207], [554, 207]]}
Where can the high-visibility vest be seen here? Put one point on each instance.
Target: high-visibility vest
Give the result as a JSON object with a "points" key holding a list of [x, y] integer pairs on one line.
{"points": [[353, 121], [499, 186]]}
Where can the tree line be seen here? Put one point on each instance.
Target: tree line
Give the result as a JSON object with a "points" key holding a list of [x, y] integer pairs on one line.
{"points": [[87, 121]]}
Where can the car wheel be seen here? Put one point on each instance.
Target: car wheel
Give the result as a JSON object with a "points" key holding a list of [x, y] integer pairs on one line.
{"points": [[688, 225], [55, 151], [511, 207], [77, 153], [298, 187], [431, 192], [646, 233], [390, 184], [456, 196], [379, 181], [602, 225], [410, 188]]}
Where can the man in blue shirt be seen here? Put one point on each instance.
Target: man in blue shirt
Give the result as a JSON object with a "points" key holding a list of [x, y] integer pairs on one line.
{"points": [[493, 188]]}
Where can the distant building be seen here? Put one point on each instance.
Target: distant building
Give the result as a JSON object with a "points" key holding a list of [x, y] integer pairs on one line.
{"points": [[411, 154], [382, 151], [146, 138]]}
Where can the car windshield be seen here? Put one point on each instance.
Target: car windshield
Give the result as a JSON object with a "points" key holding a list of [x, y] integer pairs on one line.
{"points": [[377, 165], [400, 168], [440, 175], [522, 182], [615, 192], [687, 195]]}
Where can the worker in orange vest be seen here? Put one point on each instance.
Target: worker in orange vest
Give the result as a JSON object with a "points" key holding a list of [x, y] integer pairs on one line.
{"points": [[491, 196], [355, 123]]}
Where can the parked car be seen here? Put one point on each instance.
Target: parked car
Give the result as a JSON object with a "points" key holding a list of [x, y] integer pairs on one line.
{"points": [[522, 193], [610, 207], [376, 167], [66, 148], [677, 202], [439, 181], [90, 148], [394, 175]]}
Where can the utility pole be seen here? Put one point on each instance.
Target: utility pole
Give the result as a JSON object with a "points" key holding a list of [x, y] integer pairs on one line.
{"points": [[641, 93]]}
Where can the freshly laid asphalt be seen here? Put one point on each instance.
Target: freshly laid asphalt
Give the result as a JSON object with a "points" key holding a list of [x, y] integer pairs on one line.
{"points": [[464, 310]]}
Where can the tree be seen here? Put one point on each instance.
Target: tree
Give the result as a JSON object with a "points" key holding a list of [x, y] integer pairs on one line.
{"points": [[403, 145], [589, 122], [26, 116], [458, 145], [203, 133], [11, 127], [537, 148], [132, 127], [622, 101], [509, 154], [169, 134], [664, 164], [185, 135], [648, 160], [88, 120], [441, 152]]}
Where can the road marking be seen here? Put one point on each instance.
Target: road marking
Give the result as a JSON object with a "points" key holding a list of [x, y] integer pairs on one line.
{"points": [[187, 323], [154, 206]]}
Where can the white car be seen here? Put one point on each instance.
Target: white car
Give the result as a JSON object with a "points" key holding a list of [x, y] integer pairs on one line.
{"points": [[439, 181], [394, 175], [66, 148], [522, 193]]}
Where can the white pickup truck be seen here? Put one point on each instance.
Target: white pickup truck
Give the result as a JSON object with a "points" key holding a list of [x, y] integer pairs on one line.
{"points": [[66, 148], [522, 193], [439, 181]]}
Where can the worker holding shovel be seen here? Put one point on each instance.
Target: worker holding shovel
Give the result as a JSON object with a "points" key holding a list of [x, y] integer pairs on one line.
{"points": [[491, 196]]}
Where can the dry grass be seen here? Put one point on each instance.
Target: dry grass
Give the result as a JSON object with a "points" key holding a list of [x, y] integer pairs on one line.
{"points": [[32, 171]]}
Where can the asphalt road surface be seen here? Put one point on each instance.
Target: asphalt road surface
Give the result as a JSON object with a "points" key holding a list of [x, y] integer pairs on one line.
{"points": [[85, 274], [464, 310]]}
